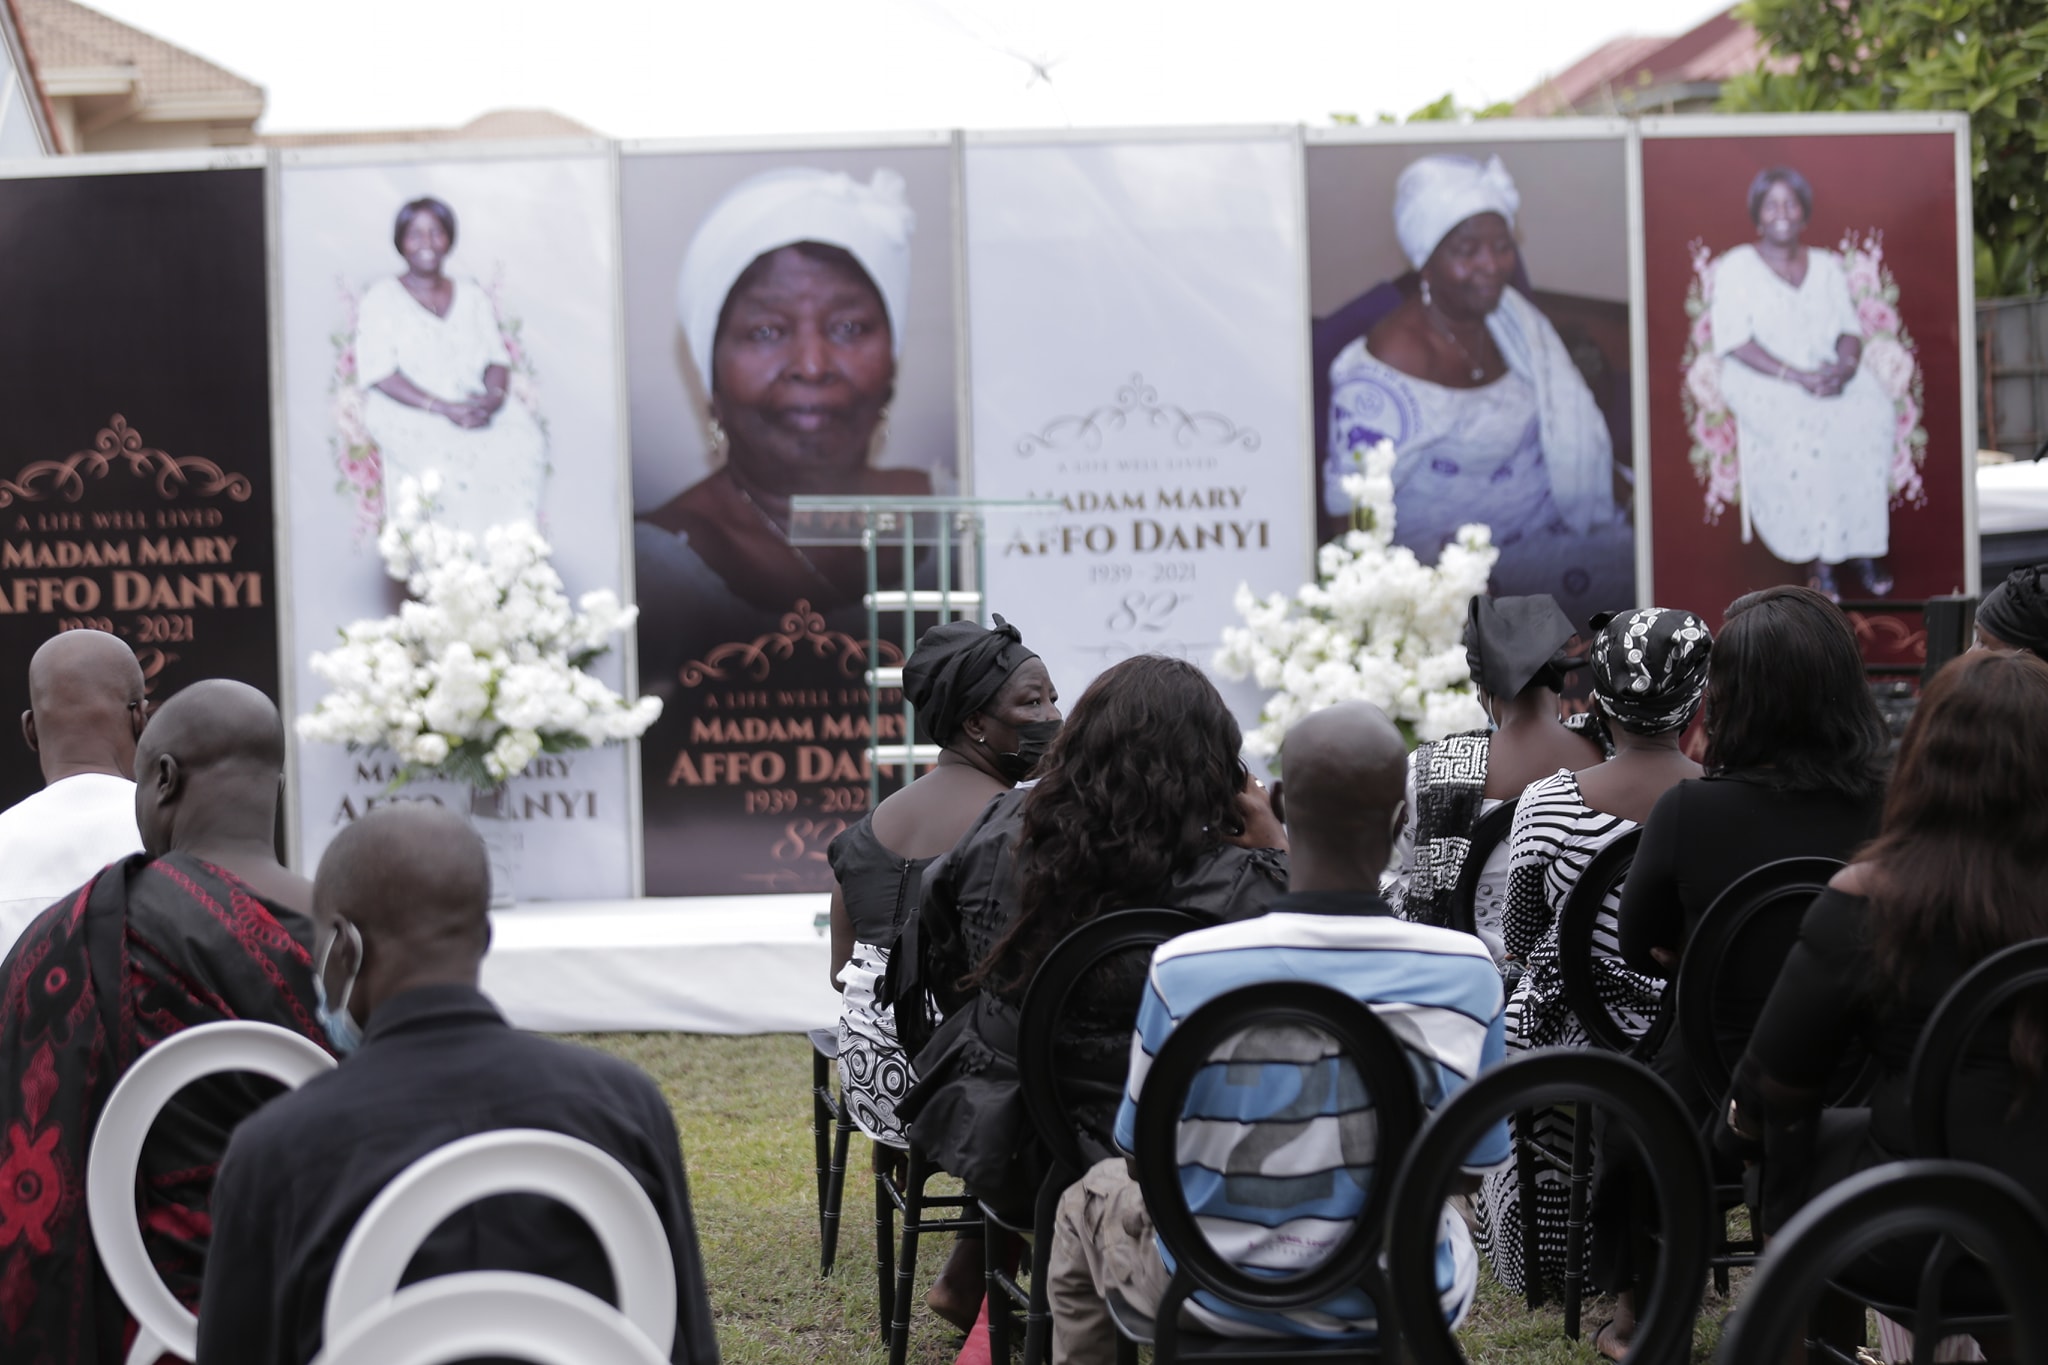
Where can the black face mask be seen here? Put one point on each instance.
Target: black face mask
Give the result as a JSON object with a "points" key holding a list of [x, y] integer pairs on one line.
{"points": [[1034, 737]]}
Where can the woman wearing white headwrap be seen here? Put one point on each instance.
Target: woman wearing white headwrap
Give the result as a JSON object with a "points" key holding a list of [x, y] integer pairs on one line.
{"points": [[792, 296], [1489, 415]]}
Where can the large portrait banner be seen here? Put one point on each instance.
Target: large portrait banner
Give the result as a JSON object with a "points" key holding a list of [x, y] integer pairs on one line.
{"points": [[454, 317], [1471, 302], [1136, 318], [1805, 372], [135, 492], [790, 332]]}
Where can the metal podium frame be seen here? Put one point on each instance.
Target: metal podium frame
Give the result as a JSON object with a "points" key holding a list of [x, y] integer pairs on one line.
{"points": [[957, 522]]}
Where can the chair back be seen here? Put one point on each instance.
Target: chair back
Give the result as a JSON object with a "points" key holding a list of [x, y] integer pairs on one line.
{"points": [[492, 1313], [1993, 1218], [235, 1045], [1940, 1054], [1632, 1098], [509, 1161], [1760, 911], [1045, 1003], [1389, 1083], [1576, 930], [1488, 834]]}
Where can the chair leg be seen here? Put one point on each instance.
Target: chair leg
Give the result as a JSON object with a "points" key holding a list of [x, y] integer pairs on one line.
{"points": [[906, 1259], [1038, 1316], [821, 1129], [835, 1188], [885, 1245], [1525, 1188], [1002, 1314], [1575, 1229]]}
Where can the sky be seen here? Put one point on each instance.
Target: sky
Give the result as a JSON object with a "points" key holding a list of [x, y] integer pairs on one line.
{"points": [[721, 68]]}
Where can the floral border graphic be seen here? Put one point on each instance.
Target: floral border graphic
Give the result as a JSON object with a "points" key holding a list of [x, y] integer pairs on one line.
{"points": [[357, 461], [118, 440], [1888, 350], [800, 626], [1140, 399]]}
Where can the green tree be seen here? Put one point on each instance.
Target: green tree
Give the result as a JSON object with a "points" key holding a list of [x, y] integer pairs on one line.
{"points": [[1987, 58], [1445, 109]]}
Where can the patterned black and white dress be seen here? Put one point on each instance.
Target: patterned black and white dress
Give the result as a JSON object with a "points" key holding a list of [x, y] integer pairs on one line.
{"points": [[880, 890], [1556, 835]]}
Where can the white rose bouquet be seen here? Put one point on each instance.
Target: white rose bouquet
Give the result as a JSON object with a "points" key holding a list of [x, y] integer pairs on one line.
{"points": [[1377, 626], [484, 669]]}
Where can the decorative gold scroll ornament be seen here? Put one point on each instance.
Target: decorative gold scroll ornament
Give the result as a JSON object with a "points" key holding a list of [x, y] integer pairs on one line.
{"points": [[66, 478], [800, 626]]}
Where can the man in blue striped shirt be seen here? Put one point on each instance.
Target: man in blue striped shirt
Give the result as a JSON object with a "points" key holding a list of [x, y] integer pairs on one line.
{"points": [[1277, 1145]]}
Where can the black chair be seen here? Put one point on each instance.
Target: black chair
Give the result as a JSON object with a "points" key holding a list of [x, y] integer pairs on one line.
{"points": [[831, 1127], [1576, 928], [1045, 1002], [1767, 902], [1759, 911], [1938, 1058], [1488, 834], [896, 1274], [1383, 1067], [1635, 1099], [1971, 1206]]}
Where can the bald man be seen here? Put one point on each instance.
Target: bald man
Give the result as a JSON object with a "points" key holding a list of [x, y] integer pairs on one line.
{"points": [[1291, 1191], [85, 710], [204, 925], [400, 901]]}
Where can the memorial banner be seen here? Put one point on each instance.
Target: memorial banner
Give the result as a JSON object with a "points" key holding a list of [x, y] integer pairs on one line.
{"points": [[1807, 402], [1136, 320], [1471, 302], [135, 492], [789, 326], [505, 384]]}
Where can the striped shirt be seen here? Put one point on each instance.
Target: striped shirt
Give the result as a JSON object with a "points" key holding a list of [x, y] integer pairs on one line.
{"points": [[1277, 1141]]}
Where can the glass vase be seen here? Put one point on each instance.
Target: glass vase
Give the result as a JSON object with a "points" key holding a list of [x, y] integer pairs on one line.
{"points": [[490, 814]]}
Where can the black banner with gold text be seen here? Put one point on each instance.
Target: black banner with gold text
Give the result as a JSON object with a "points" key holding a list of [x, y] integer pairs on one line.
{"points": [[135, 491]]}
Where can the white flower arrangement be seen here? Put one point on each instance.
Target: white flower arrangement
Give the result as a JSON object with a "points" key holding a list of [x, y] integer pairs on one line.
{"points": [[484, 669], [1377, 626]]}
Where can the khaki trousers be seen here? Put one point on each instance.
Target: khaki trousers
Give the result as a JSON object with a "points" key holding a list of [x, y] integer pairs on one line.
{"points": [[1102, 1240]]}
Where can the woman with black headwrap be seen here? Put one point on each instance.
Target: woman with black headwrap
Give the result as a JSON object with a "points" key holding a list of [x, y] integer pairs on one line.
{"points": [[2014, 615], [1649, 671], [990, 706], [1513, 646]]}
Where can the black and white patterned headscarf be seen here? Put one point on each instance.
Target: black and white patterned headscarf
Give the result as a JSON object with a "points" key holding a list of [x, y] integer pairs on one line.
{"points": [[1650, 667]]}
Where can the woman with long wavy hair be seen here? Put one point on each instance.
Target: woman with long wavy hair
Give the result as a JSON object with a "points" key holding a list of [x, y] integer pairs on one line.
{"points": [[1142, 802], [1954, 876]]}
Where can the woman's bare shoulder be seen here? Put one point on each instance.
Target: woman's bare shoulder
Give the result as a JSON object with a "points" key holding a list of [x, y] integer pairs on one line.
{"points": [[1854, 880]]}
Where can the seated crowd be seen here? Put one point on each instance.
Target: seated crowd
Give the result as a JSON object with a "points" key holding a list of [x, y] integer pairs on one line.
{"points": [[1712, 754]]}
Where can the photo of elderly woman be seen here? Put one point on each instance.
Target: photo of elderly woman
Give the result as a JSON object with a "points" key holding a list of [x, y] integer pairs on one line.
{"points": [[785, 301], [454, 316], [789, 333], [1813, 424], [437, 374], [1505, 406], [1804, 327]]}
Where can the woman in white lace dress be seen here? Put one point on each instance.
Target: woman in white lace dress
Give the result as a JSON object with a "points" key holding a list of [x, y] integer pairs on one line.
{"points": [[1813, 426], [437, 376]]}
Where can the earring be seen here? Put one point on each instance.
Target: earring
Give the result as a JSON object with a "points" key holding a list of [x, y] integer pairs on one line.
{"points": [[879, 441], [719, 442], [1425, 292]]}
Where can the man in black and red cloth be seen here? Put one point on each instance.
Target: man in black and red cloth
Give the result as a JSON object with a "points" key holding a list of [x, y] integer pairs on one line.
{"points": [[204, 925]]}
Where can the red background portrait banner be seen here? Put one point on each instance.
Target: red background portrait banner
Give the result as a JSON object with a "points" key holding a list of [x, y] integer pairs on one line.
{"points": [[1901, 185]]}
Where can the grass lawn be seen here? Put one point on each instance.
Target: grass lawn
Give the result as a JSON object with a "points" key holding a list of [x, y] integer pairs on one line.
{"points": [[743, 1106]]}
